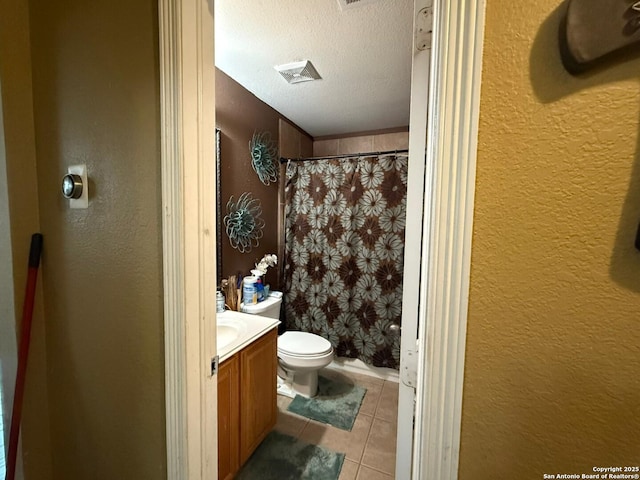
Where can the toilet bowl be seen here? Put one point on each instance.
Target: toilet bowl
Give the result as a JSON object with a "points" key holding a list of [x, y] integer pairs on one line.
{"points": [[300, 354]]}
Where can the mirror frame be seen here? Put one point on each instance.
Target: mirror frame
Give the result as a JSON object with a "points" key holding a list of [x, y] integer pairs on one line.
{"points": [[218, 210]]}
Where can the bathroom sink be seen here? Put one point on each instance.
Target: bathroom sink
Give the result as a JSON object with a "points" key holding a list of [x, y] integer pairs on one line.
{"points": [[235, 330], [227, 333]]}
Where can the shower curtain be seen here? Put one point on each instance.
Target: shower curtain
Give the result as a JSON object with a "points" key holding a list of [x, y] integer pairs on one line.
{"points": [[344, 249]]}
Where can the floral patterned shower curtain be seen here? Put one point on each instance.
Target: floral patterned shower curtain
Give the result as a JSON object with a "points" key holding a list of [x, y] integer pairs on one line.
{"points": [[344, 248]]}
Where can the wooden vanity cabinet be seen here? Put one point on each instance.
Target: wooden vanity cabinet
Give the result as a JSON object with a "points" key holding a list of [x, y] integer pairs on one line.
{"points": [[228, 418], [258, 390], [247, 403]]}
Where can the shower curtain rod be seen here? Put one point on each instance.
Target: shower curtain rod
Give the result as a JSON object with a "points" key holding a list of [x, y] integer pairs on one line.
{"points": [[347, 155]]}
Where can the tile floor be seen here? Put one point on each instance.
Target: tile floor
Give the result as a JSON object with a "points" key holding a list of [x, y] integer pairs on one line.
{"points": [[370, 447]]}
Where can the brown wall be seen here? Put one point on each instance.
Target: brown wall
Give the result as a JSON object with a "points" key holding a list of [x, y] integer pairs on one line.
{"points": [[238, 115], [293, 144], [96, 101], [553, 344]]}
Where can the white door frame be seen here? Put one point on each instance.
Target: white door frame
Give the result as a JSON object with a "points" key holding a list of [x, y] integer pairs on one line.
{"points": [[416, 207], [188, 193], [187, 98], [453, 111]]}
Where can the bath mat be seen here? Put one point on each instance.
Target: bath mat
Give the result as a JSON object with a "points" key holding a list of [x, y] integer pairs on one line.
{"points": [[282, 457], [337, 403]]}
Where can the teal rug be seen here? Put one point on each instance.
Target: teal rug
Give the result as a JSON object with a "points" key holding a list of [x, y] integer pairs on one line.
{"points": [[337, 403], [282, 457]]}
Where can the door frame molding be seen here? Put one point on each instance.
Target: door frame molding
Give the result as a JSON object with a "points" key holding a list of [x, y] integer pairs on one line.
{"points": [[417, 202], [187, 106], [188, 212], [452, 136]]}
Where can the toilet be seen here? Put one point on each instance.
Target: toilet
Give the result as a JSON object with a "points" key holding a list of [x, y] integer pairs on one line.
{"points": [[300, 354], [269, 307]]}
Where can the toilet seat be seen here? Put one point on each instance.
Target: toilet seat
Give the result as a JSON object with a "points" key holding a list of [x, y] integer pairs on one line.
{"points": [[302, 356], [303, 345]]}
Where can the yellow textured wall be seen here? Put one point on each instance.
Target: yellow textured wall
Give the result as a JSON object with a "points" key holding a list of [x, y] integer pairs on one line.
{"points": [[19, 135], [96, 101], [552, 376]]}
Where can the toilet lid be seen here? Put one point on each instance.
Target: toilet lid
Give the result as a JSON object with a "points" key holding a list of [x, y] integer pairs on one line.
{"points": [[303, 343]]}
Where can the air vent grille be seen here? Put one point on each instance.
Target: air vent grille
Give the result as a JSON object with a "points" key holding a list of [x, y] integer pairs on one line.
{"points": [[298, 72]]}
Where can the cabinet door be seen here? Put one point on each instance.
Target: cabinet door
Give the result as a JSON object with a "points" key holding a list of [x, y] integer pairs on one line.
{"points": [[228, 418], [258, 405]]}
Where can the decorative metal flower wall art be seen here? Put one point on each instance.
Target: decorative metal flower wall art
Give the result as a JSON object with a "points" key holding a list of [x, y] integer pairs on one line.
{"points": [[244, 222], [263, 157]]}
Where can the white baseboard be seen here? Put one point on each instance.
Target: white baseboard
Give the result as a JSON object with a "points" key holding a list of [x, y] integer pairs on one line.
{"points": [[358, 366]]}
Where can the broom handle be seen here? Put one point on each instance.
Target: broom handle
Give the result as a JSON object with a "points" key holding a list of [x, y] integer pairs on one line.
{"points": [[23, 352]]}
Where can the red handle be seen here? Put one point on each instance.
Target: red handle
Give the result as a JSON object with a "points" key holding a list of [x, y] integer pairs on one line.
{"points": [[23, 352]]}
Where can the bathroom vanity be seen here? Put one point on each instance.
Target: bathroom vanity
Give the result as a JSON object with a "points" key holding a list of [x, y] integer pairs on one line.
{"points": [[247, 409]]}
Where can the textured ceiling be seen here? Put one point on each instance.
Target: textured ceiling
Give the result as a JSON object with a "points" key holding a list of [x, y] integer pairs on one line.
{"points": [[363, 55]]}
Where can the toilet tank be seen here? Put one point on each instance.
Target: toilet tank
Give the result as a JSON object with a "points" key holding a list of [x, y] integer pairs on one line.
{"points": [[269, 307]]}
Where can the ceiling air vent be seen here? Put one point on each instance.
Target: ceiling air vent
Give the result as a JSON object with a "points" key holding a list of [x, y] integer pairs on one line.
{"points": [[297, 72], [350, 4]]}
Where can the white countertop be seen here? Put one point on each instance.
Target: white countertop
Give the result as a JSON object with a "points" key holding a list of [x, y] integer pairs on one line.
{"points": [[236, 330]]}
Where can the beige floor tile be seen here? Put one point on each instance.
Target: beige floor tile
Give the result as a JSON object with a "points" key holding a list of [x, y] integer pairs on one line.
{"points": [[388, 405], [350, 443], [283, 402], [372, 440], [364, 380], [288, 422], [380, 451], [366, 473], [358, 378], [349, 470], [372, 384], [370, 401]]}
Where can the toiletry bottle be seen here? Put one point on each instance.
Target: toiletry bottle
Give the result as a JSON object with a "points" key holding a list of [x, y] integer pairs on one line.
{"points": [[249, 291], [260, 289], [219, 301]]}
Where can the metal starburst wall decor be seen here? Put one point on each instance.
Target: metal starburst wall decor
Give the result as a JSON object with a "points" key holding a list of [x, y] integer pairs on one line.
{"points": [[244, 222], [263, 157]]}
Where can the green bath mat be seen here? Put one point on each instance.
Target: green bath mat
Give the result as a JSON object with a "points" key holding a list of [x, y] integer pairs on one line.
{"points": [[282, 457], [337, 403]]}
